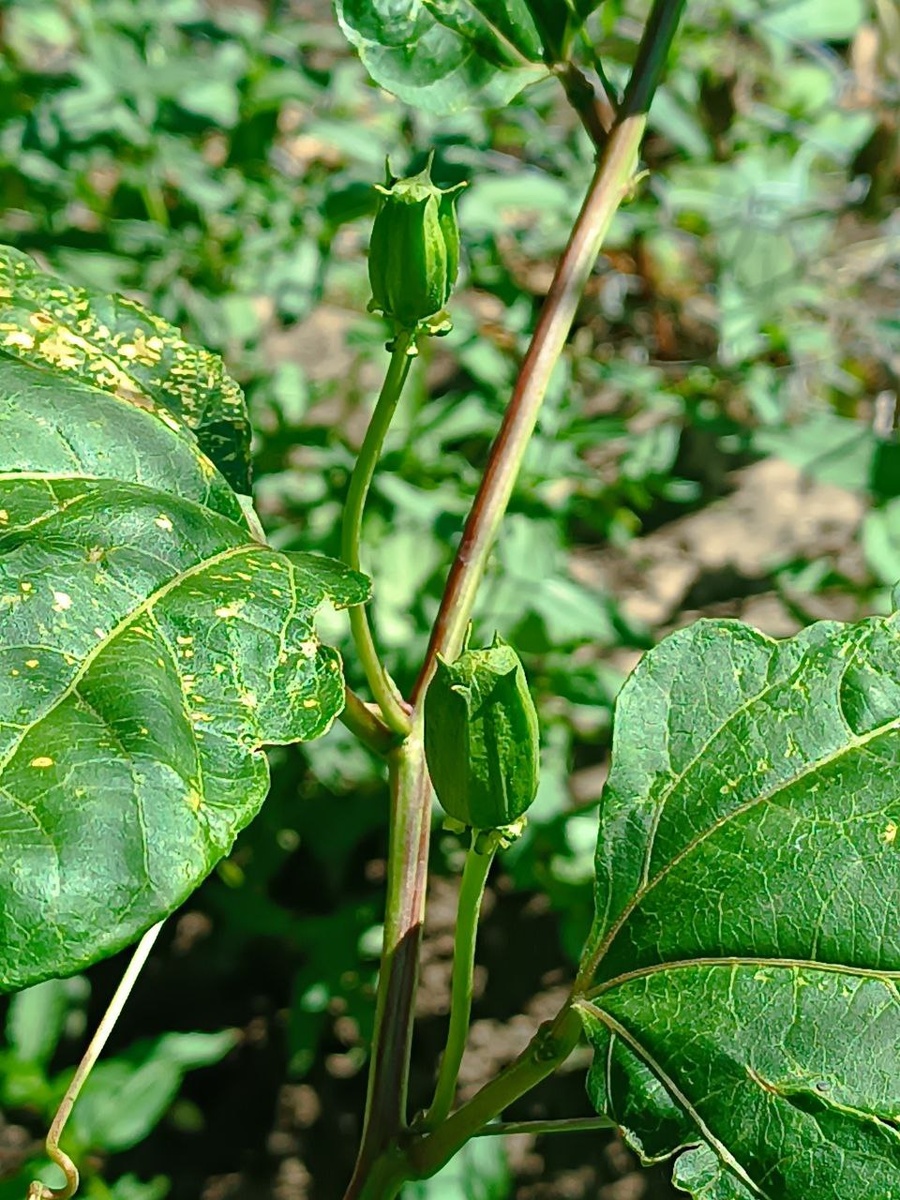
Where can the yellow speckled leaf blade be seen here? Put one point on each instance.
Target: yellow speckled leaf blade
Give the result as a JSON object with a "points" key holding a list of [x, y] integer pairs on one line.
{"points": [[117, 346], [745, 955], [67, 429], [148, 650]]}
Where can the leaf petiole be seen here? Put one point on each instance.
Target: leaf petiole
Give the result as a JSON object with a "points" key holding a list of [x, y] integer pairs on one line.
{"points": [[540, 1128]]}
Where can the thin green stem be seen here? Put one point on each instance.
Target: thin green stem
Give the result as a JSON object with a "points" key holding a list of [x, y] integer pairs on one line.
{"points": [[471, 892], [393, 708], [548, 1049], [38, 1190]]}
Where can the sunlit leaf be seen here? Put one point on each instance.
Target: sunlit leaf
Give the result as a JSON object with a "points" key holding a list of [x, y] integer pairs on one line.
{"points": [[745, 952], [118, 346], [149, 647]]}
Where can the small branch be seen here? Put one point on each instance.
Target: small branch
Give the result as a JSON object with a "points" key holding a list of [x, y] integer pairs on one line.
{"points": [[38, 1190], [595, 111], [393, 708], [539, 1128], [366, 724], [471, 891], [551, 1046]]}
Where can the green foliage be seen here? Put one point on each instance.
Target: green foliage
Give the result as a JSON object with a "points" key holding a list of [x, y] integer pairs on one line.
{"points": [[117, 346], [479, 1172], [216, 163], [743, 975], [122, 559], [442, 57]]}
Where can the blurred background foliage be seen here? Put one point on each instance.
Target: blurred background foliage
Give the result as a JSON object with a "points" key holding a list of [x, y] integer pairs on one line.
{"points": [[720, 439]]}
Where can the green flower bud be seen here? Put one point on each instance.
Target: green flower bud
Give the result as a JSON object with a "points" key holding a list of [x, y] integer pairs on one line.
{"points": [[481, 737], [414, 250]]}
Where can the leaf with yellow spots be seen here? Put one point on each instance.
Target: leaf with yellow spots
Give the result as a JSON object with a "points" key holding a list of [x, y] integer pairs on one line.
{"points": [[741, 984], [149, 649], [117, 346]]}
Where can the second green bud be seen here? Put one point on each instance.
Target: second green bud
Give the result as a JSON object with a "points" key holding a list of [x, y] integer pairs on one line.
{"points": [[481, 737], [414, 250]]}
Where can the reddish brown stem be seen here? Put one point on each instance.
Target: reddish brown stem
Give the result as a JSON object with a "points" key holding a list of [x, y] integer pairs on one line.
{"points": [[609, 187], [404, 915]]}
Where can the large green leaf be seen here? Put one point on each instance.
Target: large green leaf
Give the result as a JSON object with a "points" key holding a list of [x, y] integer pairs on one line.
{"points": [[149, 647], [116, 345], [442, 55], [746, 950]]}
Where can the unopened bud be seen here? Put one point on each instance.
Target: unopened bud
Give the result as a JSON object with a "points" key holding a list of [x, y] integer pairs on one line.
{"points": [[414, 250], [481, 737]]}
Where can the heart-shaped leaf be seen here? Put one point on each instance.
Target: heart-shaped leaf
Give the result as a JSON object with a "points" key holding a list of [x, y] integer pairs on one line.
{"points": [[442, 55], [149, 648], [745, 957], [117, 345]]}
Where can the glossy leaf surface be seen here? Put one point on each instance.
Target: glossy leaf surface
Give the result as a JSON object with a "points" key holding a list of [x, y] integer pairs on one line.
{"points": [[442, 55], [746, 952], [149, 648], [116, 345]]}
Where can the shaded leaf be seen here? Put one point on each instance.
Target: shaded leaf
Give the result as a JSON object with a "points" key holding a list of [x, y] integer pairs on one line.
{"points": [[117, 346], [442, 55], [744, 953], [35, 1021], [479, 1171]]}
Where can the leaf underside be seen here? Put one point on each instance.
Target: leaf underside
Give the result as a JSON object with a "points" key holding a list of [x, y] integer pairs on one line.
{"points": [[746, 949], [149, 648], [443, 55]]}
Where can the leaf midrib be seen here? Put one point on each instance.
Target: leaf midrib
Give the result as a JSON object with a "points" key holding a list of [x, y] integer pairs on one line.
{"points": [[890, 979], [494, 29]]}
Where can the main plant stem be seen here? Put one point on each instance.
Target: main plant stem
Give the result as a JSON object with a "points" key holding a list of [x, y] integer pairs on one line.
{"points": [[609, 187], [404, 914], [411, 795], [393, 709], [388, 1155]]}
